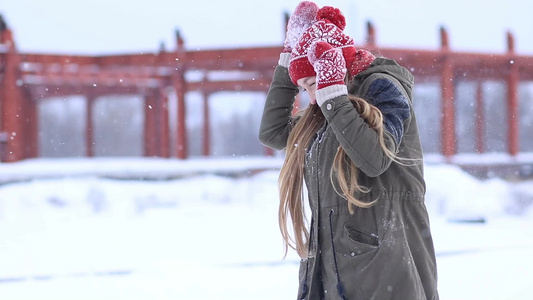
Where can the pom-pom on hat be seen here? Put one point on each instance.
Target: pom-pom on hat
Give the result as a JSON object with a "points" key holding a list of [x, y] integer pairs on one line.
{"points": [[333, 15], [328, 27]]}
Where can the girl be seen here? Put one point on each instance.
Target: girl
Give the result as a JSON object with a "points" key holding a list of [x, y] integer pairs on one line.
{"points": [[358, 150]]}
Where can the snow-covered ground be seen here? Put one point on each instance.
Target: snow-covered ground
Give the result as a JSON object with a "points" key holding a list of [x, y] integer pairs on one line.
{"points": [[87, 229]]}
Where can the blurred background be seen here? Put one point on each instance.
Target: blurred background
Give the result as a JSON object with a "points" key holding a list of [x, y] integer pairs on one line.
{"points": [[134, 28], [131, 169]]}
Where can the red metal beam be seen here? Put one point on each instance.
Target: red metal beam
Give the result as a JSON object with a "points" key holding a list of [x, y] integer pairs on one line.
{"points": [[234, 85], [41, 93]]}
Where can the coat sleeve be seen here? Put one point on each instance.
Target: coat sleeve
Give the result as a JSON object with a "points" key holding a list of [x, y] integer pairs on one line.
{"points": [[361, 142], [277, 121]]}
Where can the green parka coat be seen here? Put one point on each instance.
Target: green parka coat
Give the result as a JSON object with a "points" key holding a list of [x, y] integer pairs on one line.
{"points": [[382, 252]]}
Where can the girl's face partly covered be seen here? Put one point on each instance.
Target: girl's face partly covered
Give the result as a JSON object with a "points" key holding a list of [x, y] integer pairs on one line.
{"points": [[309, 85]]}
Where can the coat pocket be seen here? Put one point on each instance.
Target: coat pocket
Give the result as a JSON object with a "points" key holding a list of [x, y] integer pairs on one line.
{"points": [[358, 236], [352, 242]]}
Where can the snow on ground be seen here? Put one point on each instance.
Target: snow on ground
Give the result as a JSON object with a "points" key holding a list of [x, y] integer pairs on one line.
{"points": [[71, 233]]}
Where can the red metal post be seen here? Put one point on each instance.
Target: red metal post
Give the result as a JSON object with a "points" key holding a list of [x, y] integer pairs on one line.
{"points": [[512, 98], [286, 18], [370, 35], [12, 117], [448, 105], [206, 138], [480, 119], [448, 109], [181, 149], [180, 42], [179, 83], [163, 125]]}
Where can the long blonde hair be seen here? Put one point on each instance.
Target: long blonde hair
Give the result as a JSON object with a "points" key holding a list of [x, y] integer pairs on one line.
{"points": [[292, 172]]}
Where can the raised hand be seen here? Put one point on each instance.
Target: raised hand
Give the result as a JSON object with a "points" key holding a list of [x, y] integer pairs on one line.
{"points": [[329, 64], [304, 15]]}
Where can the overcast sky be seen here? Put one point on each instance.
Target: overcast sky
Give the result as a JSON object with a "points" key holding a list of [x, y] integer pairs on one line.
{"points": [[118, 26]]}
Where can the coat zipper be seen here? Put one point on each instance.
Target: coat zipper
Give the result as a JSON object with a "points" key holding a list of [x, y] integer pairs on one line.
{"points": [[312, 155], [340, 287]]}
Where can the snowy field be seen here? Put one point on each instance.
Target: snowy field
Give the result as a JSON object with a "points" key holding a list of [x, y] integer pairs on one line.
{"points": [[90, 230]]}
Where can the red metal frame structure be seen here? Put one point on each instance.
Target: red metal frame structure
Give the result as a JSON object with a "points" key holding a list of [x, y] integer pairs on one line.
{"points": [[25, 78]]}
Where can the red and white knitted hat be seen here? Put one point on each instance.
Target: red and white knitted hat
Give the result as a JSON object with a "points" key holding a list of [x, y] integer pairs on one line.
{"points": [[328, 27]]}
